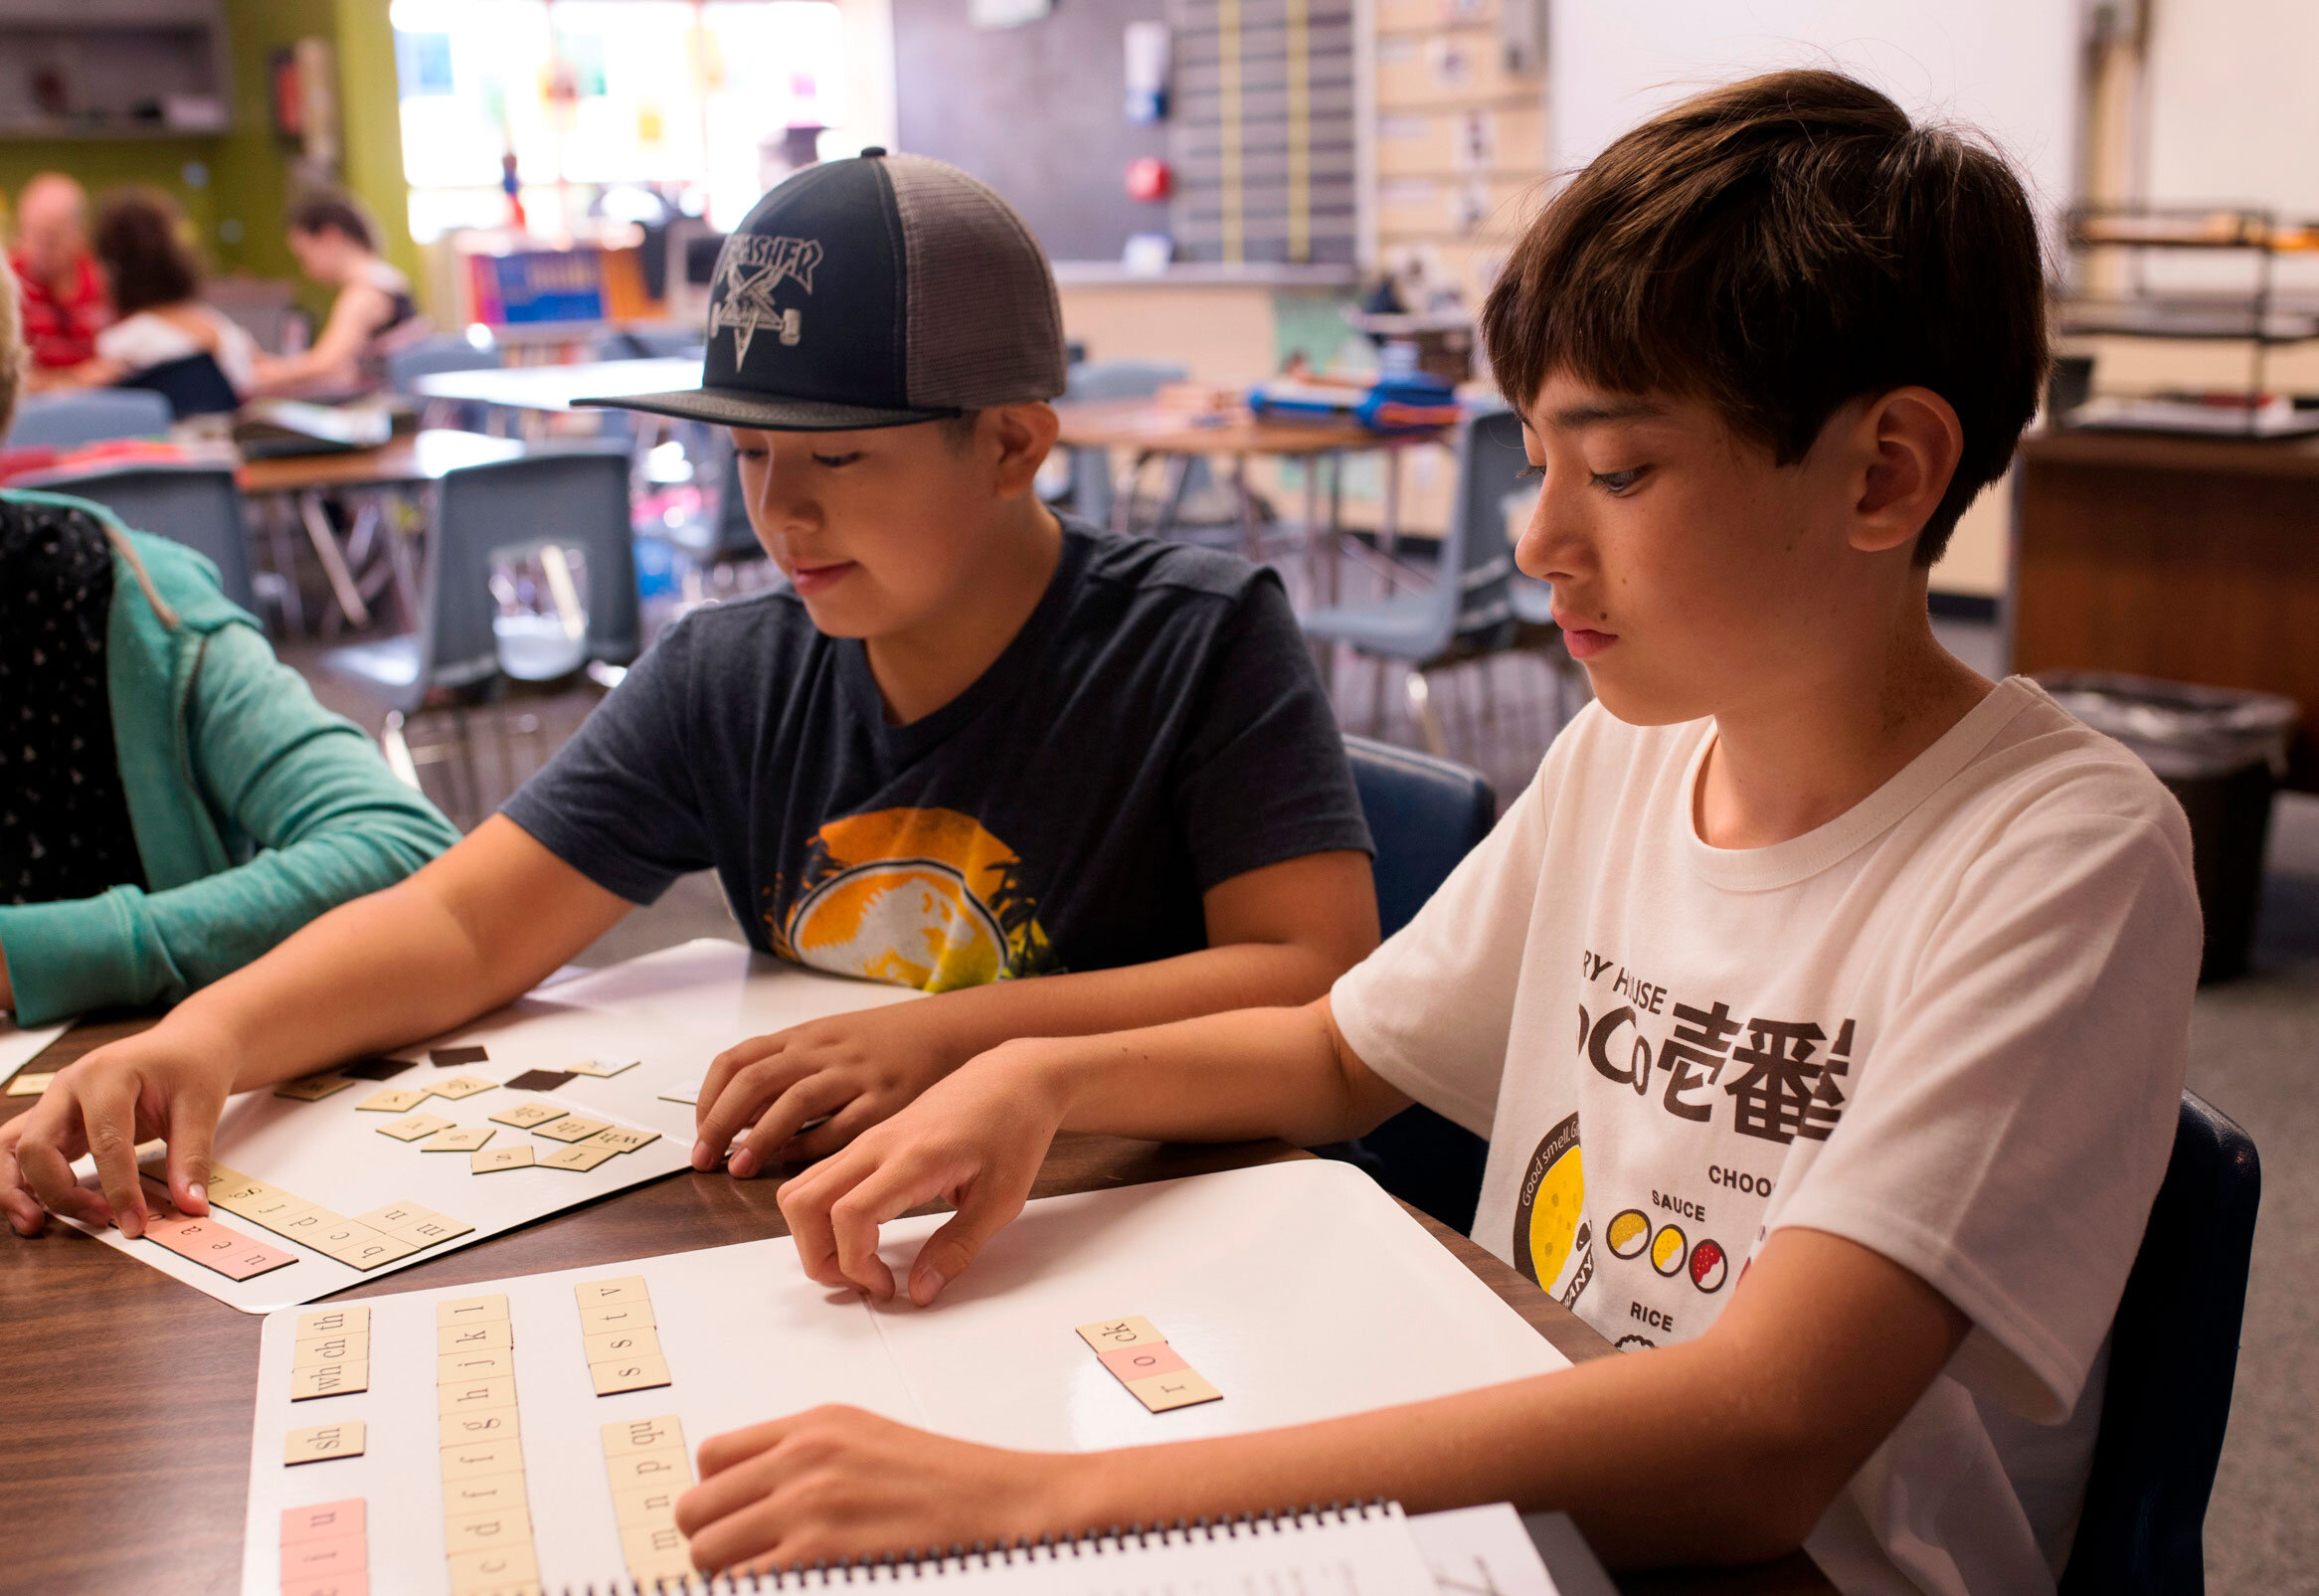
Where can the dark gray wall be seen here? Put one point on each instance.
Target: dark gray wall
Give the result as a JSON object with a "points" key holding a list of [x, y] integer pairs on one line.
{"points": [[1034, 111]]}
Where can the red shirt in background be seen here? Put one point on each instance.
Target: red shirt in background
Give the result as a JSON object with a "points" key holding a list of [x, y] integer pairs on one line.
{"points": [[61, 329]]}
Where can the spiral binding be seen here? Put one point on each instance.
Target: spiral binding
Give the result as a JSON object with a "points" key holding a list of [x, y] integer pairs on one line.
{"points": [[895, 1567]]}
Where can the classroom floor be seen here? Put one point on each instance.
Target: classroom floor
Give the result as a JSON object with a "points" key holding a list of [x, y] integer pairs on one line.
{"points": [[2252, 1055]]}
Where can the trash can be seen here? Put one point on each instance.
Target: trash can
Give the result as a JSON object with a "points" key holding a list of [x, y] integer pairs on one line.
{"points": [[2220, 752]]}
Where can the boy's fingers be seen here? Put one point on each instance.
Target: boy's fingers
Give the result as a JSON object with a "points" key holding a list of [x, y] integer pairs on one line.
{"points": [[805, 1203], [24, 1210], [109, 1112], [731, 1062], [744, 1098], [51, 1176], [892, 1191], [810, 1099], [834, 1132], [191, 1132], [951, 1249]]}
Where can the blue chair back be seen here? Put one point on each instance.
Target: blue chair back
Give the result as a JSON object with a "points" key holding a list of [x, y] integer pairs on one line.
{"points": [[87, 416], [575, 497], [195, 385], [196, 505], [1424, 814], [1475, 607], [2173, 1357], [1090, 382]]}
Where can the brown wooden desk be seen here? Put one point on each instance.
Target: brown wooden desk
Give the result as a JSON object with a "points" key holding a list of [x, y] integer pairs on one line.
{"points": [[1149, 431], [414, 460], [2189, 558], [127, 1398]]}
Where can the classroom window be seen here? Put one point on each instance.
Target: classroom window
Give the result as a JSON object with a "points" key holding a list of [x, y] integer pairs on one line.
{"points": [[597, 100]]}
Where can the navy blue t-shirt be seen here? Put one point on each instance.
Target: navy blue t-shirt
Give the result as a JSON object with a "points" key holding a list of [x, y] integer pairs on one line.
{"points": [[1155, 728]]}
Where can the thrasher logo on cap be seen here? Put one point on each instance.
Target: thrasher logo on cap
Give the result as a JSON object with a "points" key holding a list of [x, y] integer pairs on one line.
{"points": [[751, 269]]}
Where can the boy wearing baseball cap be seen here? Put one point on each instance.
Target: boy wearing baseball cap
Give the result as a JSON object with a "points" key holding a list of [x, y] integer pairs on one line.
{"points": [[1826, 1004], [972, 744]]}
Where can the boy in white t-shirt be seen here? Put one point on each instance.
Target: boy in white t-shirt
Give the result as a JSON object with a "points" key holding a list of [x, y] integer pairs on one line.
{"points": [[1825, 1005]]}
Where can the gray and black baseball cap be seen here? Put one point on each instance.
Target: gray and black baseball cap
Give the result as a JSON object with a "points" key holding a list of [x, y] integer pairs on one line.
{"points": [[876, 291]]}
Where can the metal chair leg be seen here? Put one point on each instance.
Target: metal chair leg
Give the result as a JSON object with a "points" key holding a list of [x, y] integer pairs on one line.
{"points": [[1424, 712], [396, 749]]}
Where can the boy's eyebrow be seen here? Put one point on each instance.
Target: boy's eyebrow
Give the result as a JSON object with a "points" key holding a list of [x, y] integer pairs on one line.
{"points": [[1572, 417]]}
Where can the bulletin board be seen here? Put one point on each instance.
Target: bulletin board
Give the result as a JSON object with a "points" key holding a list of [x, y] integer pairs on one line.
{"points": [[1037, 111]]}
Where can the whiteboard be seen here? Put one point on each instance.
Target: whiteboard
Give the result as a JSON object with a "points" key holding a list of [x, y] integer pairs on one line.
{"points": [[1299, 1290], [674, 1011], [2005, 67]]}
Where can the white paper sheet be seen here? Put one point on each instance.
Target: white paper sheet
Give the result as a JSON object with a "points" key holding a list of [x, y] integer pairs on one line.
{"points": [[1299, 1290], [19, 1047], [676, 1011]]}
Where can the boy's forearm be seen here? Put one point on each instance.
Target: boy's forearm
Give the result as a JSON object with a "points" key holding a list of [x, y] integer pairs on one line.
{"points": [[1239, 976], [1231, 1077], [376, 973], [1610, 1442]]}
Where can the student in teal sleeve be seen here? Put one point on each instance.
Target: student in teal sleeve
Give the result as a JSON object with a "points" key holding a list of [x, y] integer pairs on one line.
{"points": [[173, 801]]}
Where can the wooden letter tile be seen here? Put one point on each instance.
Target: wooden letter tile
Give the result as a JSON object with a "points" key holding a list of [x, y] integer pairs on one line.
{"points": [[1183, 1389], [1132, 1363], [433, 1230], [347, 1346], [460, 1139], [643, 1435], [492, 1336], [483, 1492], [377, 1250], [479, 1532], [625, 1289], [471, 1309], [392, 1100], [315, 1560], [492, 1159], [615, 1316], [324, 1442], [604, 1068], [632, 1469], [614, 1346], [580, 1158], [508, 1567], [325, 1520], [394, 1215], [571, 1128], [353, 1320], [470, 1395], [474, 1367], [628, 1374], [416, 1128], [459, 1086], [524, 1116], [473, 1460], [329, 1379], [31, 1083], [1106, 1335], [647, 1505], [620, 1139], [315, 1087], [467, 1429]]}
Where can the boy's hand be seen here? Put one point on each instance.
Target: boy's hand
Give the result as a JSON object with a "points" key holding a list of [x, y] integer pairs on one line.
{"points": [[974, 1140], [838, 1482], [126, 1092], [848, 1071]]}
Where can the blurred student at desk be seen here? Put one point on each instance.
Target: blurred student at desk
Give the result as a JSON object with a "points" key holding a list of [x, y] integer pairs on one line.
{"points": [[60, 291], [177, 802], [337, 244], [156, 293]]}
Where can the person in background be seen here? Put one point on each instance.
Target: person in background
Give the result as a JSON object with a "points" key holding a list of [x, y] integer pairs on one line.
{"points": [[176, 802], [61, 296], [338, 245], [156, 293]]}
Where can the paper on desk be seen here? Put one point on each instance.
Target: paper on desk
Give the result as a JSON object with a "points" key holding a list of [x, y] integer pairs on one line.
{"points": [[18, 1047], [1480, 1552]]}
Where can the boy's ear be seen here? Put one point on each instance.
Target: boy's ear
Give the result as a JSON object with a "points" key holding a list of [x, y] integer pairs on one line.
{"points": [[1023, 434], [1912, 441]]}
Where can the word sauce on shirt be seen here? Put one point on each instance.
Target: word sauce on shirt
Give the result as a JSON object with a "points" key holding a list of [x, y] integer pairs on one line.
{"points": [[1949, 1026]]}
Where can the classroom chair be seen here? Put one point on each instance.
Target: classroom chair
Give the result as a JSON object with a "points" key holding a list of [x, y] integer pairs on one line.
{"points": [[2173, 1357], [87, 416], [197, 505], [465, 656], [1470, 612], [432, 356], [193, 386], [1424, 814], [1091, 495]]}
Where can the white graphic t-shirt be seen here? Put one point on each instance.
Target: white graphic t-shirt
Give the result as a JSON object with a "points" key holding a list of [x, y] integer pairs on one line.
{"points": [[1950, 1026]]}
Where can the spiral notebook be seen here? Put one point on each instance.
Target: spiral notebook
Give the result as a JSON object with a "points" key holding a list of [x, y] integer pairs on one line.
{"points": [[1371, 1550]]}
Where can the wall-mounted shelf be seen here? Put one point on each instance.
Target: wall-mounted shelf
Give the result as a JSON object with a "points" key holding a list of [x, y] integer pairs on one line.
{"points": [[112, 69]]}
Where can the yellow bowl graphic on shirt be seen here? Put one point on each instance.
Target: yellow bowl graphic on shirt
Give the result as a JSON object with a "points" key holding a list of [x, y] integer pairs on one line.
{"points": [[1550, 1206], [1626, 1232], [924, 898], [1667, 1250], [911, 921]]}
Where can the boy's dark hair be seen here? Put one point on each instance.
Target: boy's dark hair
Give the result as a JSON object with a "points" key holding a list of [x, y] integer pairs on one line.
{"points": [[146, 264], [1779, 248], [329, 210]]}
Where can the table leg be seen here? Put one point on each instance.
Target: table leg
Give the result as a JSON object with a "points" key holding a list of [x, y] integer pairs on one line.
{"points": [[286, 562], [1309, 536], [1251, 531], [342, 587], [1389, 521]]}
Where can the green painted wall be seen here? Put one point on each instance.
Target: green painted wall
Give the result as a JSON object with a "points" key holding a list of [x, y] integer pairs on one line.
{"points": [[246, 175]]}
